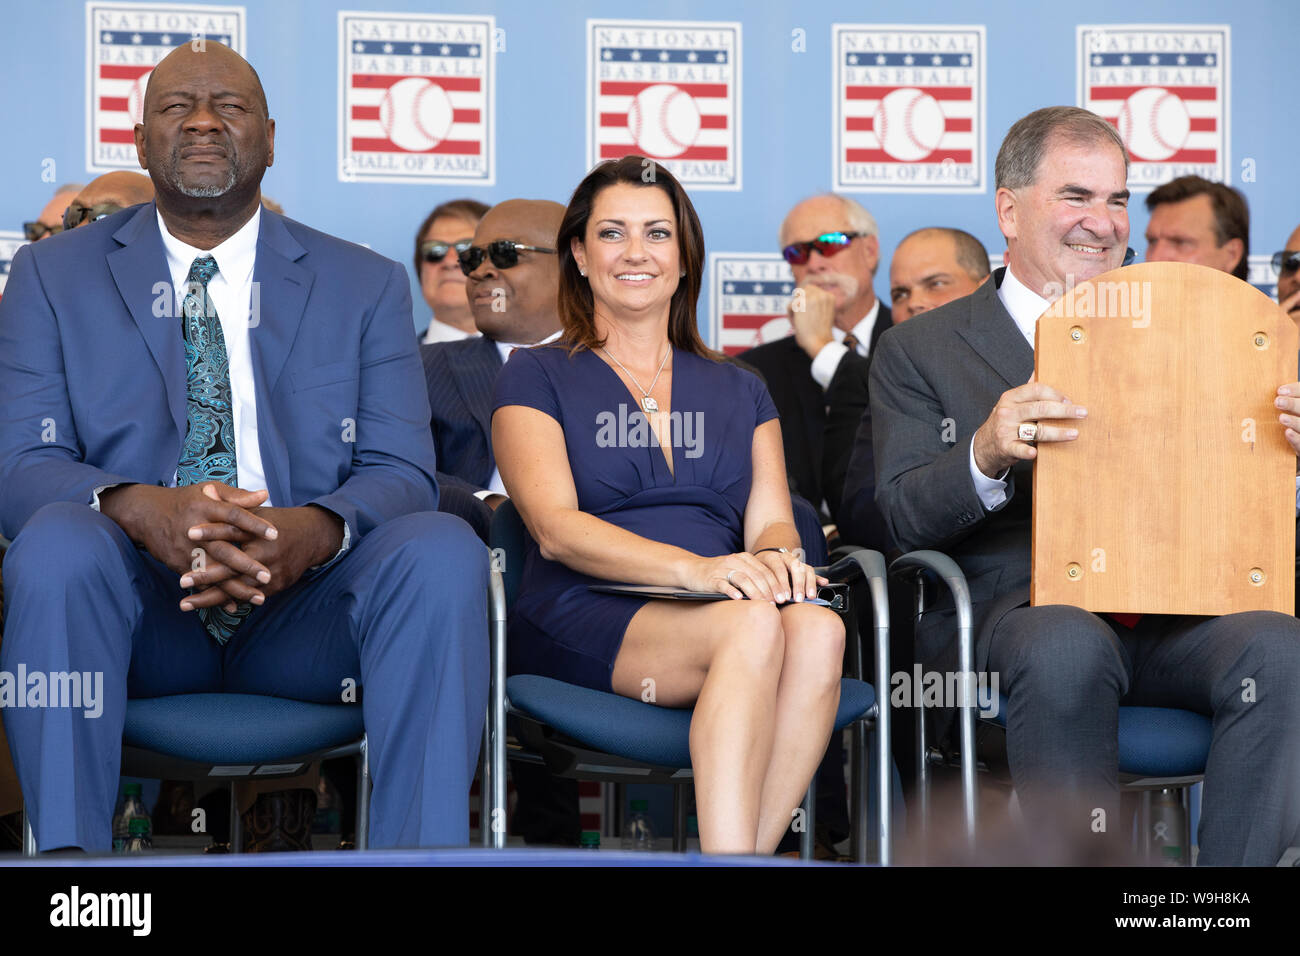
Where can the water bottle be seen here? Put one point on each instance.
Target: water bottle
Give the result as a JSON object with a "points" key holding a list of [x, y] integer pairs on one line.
{"points": [[637, 832], [1168, 822], [589, 840], [132, 809], [138, 840]]}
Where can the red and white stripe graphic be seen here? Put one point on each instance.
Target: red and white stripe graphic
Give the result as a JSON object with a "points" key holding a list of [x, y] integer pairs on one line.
{"points": [[401, 113], [930, 124], [664, 120]]}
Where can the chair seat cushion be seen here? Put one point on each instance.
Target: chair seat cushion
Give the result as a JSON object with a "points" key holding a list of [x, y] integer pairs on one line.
{"points": [[631, 728], [1155, 741], [238, 728]]}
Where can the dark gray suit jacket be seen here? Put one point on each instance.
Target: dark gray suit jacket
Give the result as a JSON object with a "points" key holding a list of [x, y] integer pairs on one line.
{"points": [[934, 380]]}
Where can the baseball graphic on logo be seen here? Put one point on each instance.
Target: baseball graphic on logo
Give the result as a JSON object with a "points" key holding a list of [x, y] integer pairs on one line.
{"points": [[1154, 123], [663, 120], [415, 114], [773, 330], [909, 123], [135, 99]]}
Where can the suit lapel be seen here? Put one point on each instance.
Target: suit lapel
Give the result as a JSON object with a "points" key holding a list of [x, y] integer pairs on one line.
{"points": [[280, 290], [994, 335], [475, 379], [138, 269]]}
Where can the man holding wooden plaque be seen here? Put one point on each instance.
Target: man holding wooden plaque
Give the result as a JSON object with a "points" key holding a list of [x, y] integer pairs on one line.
{"points": [[958, 417]]}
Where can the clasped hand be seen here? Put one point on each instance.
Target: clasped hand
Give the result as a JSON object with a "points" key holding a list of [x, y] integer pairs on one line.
{"points": [[770, 576], [220, 540]]}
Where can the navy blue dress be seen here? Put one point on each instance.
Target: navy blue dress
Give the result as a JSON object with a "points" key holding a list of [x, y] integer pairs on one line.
{"points": [[558, 628]]}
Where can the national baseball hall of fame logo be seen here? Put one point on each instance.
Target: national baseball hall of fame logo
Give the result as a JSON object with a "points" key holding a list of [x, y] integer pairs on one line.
{"points": [[669, 91], [416, 98], [909, 108], [1166, 89], [749, 293], [124, 42]]}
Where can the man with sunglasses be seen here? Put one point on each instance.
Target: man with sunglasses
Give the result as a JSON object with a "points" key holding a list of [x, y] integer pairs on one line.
{"points": [[512, 278], [50, 221], [105, 195], [1287, 266], [445, 232], [832, 246]]}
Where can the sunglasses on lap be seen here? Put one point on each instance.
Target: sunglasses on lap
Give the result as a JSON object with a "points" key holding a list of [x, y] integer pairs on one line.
{"points": [[76, 213], [504, 254]]}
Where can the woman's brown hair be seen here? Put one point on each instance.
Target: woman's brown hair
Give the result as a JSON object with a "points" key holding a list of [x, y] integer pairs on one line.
{"points": [[576, 304]]}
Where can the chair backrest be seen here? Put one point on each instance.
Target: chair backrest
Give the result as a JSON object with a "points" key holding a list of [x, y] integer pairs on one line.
{"points": [[509, 539]]}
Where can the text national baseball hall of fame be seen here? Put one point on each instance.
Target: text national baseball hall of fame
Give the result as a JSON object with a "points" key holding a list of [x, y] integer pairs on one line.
{"points": [[909, 108], [1166, 89], [669, 91], [416, 98], [124, 42]]}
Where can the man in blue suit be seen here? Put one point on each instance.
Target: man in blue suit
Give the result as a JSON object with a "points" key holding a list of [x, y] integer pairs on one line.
{"points": [[218, 475], [514, 307]]}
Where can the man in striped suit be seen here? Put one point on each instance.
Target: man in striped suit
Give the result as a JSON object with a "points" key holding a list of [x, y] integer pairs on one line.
{"points": [[512, 287], [514, 307]]}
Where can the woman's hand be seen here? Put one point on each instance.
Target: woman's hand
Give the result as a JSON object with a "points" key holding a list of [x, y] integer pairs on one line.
{"points": [[800, 578], [770, 576]]}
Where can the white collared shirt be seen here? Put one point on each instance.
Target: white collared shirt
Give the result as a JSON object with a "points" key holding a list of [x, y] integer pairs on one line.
{"points": [[442, 332], [828, 359], [495, 486], [231, 290]]}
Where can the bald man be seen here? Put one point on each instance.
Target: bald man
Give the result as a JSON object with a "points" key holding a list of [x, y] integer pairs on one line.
{"points": [[50, 221], [107, 194], [933, 266], [235, 447], [512, 286]]}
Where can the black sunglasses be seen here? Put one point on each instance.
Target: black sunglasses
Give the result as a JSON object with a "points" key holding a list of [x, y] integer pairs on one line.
{"points": [[76, 213], [38, 230], [1286, 262], [434, 251], [504, 254], [828, 244]]}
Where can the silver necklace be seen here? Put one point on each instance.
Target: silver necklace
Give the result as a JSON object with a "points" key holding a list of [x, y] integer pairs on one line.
{"points": [[648, 403]]}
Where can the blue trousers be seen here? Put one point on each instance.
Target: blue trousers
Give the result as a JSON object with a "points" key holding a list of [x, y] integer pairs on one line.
{"points": [[402, 615]]}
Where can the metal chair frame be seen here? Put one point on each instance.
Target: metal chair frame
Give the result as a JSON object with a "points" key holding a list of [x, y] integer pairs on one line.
{"points": [[917, 563], [567, 757]]}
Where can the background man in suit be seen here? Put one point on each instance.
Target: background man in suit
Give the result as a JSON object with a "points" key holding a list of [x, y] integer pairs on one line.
{"points": [[512, 307], [1287, 265], [930, 268], [1195, 220], [105, 195], [948, 402], [833, 249], [293, 428], [444, 232]]}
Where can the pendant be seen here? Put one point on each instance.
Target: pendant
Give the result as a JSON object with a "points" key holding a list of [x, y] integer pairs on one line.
{"points": [[649, 404]]}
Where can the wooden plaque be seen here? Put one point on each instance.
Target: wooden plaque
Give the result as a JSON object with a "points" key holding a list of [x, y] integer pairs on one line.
{"points": [[1178, 496]]}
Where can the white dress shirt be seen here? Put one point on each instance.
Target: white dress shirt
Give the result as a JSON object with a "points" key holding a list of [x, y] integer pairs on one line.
{"points": [[231, 290], [442, 332], [495, 486], [828, 359]]}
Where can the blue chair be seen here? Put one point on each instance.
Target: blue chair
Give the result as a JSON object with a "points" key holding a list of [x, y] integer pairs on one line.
{"points": [[590, 735], [238, 737], [1160, 748]]}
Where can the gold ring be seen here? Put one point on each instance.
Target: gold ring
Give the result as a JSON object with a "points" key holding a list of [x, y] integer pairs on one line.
{"points": [[1028, 432]]}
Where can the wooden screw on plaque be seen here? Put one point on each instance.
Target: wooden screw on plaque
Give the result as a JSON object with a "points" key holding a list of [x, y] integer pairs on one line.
{"points": [[1178, 496]]}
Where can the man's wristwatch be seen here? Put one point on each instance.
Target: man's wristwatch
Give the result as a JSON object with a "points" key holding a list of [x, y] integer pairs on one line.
{"points": [[781, 550]]}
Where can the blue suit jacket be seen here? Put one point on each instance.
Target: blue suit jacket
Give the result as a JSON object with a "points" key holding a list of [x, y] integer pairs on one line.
{"points": [[92, 372], [461, 377]]}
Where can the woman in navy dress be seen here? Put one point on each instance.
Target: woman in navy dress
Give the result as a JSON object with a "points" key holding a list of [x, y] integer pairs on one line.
{"points": [[635, 454]]}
